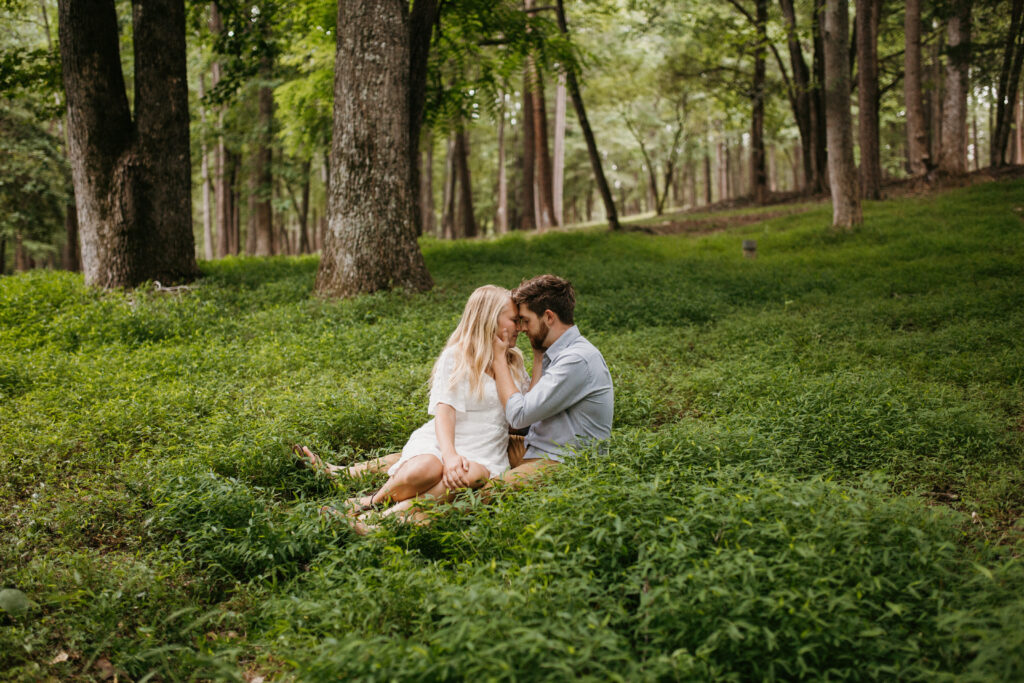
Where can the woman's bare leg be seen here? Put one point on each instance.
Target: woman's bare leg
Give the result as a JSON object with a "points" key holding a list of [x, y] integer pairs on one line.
{"points": [[417, 476], [381, 464], [408, 510]]}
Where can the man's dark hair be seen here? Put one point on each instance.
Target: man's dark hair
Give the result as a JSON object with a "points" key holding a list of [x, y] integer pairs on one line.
{"points": [[547, 292]]}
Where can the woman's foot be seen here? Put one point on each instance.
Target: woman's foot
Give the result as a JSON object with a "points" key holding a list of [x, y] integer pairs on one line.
{"points": [[359, 523], [307, 458]]}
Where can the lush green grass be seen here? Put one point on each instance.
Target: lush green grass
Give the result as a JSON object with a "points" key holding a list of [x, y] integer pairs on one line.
{"points": [[799, 443]]}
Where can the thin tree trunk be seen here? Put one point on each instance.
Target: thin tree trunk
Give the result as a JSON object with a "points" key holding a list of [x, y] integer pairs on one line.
{"points": [[917, 130], [448, 198], [819, 117], [1006, 90], [867, 98], [588, 135], [1018, 147], [222, 170], [205, 177], [758, 172], [935, 101], [846, 211], [558, 171], [262, 172], [72, 254], [707, 178], [233, 202], [803, 104], [542, 155], [132, 178], [428, 223], [501, 214], [465, 220], [529, 203], [371, 240]]}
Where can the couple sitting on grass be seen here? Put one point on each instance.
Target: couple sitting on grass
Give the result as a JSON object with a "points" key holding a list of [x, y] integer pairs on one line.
{"points": [[480, 389]]}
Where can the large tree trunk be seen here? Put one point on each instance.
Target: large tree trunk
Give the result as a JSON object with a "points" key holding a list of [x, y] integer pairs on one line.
{"points": [[588, 135], [371, 239], [1006, 90], [465, 218], [846, 211], [758, 174], [867, 98], [72, 256], [262, 173], [917, 130], [132, 178], [953, 157]]}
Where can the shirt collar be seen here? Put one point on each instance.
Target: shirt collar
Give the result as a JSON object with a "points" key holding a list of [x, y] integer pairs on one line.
{"points": [[562, 343]]}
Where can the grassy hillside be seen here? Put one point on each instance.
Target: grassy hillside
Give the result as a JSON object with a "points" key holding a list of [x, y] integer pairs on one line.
{"points": [[816, 468]]}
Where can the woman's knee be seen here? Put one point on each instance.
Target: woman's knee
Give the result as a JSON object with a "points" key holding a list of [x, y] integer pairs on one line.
{"points": [[422, 469]]}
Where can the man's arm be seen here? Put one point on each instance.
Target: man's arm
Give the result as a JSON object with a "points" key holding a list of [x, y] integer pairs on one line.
{"points": [[560, 387]]}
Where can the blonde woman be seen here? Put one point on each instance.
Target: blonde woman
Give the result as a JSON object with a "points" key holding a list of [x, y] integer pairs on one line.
{"points": [[466, 442]]}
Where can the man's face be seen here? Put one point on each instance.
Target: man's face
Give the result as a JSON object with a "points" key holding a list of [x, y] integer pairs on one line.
{"points": [[534, 327]]}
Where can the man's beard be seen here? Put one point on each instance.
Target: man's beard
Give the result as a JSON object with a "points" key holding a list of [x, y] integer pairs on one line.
{"points": [[538, 341]]}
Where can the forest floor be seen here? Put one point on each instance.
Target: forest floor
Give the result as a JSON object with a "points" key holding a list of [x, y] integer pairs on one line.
{"points": [[816, 468]]}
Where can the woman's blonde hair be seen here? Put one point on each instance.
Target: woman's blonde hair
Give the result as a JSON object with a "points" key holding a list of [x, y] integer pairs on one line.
{"points": [[473, 339]]}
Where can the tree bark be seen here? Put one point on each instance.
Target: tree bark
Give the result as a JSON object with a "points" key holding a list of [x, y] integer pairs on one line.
{"points": [[205, 178], [1006, 90], [846, 211], [132, 178], [558, 170], [371, 239], [542, 154], [917, 130], [802, 108], [263, 221], [501, 214], [428, 222], [953, 157], [935, 100], [72, 256], [588, 135], [528, 207], [758, 172], [707, 178], [867, 98], [819, 116], [465, 218]]}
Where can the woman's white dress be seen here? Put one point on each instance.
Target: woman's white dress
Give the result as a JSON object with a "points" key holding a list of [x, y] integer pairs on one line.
{"points": [[481, 430]]}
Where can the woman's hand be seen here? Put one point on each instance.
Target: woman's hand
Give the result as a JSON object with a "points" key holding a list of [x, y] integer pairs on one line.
{"points": [[456, 471], [502, 342]]}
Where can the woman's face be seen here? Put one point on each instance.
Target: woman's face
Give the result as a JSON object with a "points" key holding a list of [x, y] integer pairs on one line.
{"points": [[508, 320]]}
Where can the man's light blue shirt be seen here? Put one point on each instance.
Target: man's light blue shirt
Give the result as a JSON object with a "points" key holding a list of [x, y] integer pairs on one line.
{"points": [[572, 403]]}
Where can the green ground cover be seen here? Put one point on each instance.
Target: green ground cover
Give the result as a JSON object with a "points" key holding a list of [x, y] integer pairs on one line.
{"points": [[800, 443]]}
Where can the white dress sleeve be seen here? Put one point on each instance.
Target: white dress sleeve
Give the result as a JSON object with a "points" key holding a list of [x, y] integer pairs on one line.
{"points": [[441, 390]]}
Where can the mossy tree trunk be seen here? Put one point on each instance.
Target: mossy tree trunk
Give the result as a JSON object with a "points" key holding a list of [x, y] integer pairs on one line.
{"points": [[371, 238], [846, 211], [132, 177]]}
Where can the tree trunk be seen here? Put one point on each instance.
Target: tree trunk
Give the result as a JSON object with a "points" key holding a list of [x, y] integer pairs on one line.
{"points": [[233, 202], [448, 196], [529, 203], [758, 172], [222, 170], [501, 214], [867, 98], [1018, 135], [72, 256], [953, 158], [542, 155], [819, 117], [263, 222], [707, 178], [1006, 90], [558, 171], [935, 101], [132, 178], [205, 177], [465, 219], [428, 223], [588, 135], [846, 212], [371, 239], [917, 130], [803, 104]]}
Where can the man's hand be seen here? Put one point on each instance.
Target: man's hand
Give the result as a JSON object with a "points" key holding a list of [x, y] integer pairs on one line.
{"points": [[456, 469], [502, 342]]}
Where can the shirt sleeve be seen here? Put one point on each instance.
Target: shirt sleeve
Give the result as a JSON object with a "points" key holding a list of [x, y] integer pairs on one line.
{"points": [[441, 390], [562, 385]]}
